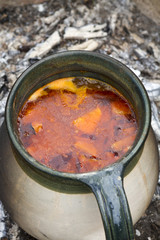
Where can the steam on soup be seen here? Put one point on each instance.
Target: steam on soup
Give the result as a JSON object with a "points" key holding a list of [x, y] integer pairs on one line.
{"points": [[77, 125]]}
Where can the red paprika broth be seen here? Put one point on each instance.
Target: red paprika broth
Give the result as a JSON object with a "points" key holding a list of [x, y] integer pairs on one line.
{"points": [[77, 125]]}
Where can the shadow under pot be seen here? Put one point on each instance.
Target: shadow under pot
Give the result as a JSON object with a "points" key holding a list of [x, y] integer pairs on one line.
{"points": [[102, 204]]}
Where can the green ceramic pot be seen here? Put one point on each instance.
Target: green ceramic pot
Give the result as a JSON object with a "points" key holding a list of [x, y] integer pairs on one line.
{"points": [[106, 184]]}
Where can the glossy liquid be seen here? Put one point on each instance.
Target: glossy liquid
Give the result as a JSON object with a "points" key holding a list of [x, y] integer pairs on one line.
{"points": [[77, 125]]}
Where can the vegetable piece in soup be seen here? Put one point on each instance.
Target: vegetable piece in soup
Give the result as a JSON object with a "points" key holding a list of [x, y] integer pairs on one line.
{"points": [[77, 125]]}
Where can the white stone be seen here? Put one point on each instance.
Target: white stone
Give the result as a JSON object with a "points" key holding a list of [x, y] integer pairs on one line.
{"points": [[89, 45], [85, 32], [57, 15], [138, 233], [43, 48]]}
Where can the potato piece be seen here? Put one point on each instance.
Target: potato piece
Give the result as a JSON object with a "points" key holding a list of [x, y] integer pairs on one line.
{"points": [[63, 84], [88, 164], [60, 84], [86, 146], [37, 127], [31, 150], [39, 93], [88, 122], [123, 143]]}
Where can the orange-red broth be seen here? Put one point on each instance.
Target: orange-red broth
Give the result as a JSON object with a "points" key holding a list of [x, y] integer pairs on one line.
{"points": [[77, 125]]}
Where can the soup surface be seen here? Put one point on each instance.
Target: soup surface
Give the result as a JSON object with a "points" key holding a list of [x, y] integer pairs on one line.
{"points": [[77, 125]]}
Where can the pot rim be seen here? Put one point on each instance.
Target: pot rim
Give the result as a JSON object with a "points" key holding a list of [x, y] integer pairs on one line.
{"points": [[123, 162]]}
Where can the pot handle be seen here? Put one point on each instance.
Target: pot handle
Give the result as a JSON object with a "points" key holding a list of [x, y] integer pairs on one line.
{"points": [[107, 187]]}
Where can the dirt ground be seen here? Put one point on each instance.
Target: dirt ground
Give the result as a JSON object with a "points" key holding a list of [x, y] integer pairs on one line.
{"points": [[123, 32]]}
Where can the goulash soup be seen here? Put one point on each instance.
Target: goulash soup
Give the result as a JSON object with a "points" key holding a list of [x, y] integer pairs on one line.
{"points": [[77, 125]]}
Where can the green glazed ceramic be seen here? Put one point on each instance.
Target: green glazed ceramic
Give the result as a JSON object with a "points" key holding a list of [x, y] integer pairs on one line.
{"points": [[106, 184]]}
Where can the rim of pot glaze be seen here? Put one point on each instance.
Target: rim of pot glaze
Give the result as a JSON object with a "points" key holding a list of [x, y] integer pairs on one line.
{"points": [[138, 144]]}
